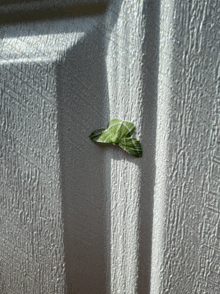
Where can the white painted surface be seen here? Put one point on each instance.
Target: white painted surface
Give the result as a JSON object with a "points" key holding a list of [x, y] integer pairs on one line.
{"points": [[80, 218], [130, 180], [185, 256], [52, 233], [162, 142]]}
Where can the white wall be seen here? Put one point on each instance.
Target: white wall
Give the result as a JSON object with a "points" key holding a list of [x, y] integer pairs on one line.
{"points": [[77, 217], [52, 199], [186, 210]]}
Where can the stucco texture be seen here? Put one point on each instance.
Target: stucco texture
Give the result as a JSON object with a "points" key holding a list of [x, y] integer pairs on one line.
{"points": [[78, 217], [190, 218]]}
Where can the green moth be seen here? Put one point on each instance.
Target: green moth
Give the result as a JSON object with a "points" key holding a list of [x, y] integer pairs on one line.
{"points": [[119, 133]]}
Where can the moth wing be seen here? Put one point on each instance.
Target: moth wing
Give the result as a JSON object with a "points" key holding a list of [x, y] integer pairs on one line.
{"points": [[121, 128], [117, 129], [113, 131], [106, 136], [96, 134], [132, 146], [114, 121], [127, 129]]}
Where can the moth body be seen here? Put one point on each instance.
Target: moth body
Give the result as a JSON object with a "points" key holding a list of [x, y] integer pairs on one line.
{"points": [[119, 133]]}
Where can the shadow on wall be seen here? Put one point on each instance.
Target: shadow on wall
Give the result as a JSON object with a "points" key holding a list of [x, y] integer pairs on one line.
{"points": [[150, 67], [150, 50], [29, 11], [83, 106]]}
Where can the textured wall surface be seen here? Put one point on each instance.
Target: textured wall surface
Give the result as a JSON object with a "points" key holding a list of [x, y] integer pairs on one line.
{"points": [[186, 208], [131, 62], [77, 217], [31, 243], [52, 228]]}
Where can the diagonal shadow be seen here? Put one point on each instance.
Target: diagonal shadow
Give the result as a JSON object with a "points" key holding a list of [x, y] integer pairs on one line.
{"points": [[83, 106], [150, 69], [150, 51], [33, 11], [82, 98]]}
